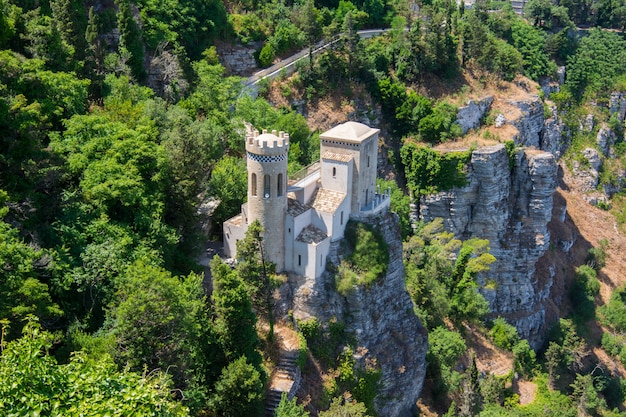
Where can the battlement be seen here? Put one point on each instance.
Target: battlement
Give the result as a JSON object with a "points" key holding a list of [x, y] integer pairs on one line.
{"points": [[267, 143]]}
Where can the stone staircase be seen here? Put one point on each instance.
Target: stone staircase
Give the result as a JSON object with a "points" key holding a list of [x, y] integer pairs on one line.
{"points": [[333, 252], [285, 378], [518, 6]]}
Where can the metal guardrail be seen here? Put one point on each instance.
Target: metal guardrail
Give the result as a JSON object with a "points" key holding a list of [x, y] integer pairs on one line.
{"points": [[305, 172], [288, 64]]}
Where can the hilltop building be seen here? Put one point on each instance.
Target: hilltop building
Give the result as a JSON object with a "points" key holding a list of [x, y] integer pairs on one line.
{"points": [[302, 216]]}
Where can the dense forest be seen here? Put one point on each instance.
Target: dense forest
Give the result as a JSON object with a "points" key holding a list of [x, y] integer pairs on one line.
{"points": [[119, 126]]}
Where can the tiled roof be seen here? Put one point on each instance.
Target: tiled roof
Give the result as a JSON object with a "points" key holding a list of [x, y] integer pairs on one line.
{"points": [[337, 156], [295, 208], [236, 221], [311, 234], [327, 200]]}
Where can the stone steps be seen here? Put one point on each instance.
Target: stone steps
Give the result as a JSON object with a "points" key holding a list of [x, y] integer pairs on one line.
{"points": [[283, 378]]}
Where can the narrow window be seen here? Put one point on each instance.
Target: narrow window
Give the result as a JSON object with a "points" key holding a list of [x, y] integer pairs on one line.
{"points": [[341, 220], [253, 183], [227, 236], [321, 259], [290, 230], [266, 186], [366, 195], [280, 185], [334, 172], [368, 161], [299, 260]]}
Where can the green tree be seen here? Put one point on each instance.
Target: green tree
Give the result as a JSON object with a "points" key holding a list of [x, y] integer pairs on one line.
{"points": [[239, 392], [290, 408], [130, 38], [339, 407], [256, 272], [439, 126], [599, 60], [23, 290], [234, 320], [69, 16], [545, 14], [156, 319], [445, 346], [531, 43], [503, 334], [33, 383], [586, 396], [229, 184]]}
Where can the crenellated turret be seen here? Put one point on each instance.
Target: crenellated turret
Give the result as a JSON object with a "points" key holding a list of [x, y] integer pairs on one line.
{"points": [[267, 189]]}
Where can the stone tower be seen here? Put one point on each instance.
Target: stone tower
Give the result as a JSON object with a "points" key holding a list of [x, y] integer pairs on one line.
{"points": [[266, 156]]}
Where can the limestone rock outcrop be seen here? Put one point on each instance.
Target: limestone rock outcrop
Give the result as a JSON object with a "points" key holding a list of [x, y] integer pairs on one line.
{"points": [[469, 117], [535, 131], [617, 105], [511, 208], [380, 317]]}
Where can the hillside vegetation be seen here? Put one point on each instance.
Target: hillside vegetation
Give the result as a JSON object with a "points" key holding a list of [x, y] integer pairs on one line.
{"points": [[119, 126]]}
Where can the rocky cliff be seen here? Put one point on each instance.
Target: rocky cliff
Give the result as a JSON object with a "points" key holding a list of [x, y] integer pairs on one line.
{"points": [[381, 319], [511, 207]]}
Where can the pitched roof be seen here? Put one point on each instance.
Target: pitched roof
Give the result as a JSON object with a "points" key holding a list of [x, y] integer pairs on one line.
{"points": [[350, 132], [311, 234], [327, 200], [295, 208], [333, 156]]}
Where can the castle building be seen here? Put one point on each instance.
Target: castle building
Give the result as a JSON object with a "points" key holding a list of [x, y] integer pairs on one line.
{"points": [[302, 216]]}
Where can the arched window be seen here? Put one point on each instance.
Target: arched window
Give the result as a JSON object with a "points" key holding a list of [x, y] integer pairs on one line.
{"points": [[266, 186], [253, 184], [280, 185], [334, 171]]}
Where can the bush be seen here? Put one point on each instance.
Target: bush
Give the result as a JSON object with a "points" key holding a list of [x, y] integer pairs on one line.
{"points": [[584, 289], [368, 259], [596, 257], [445, 346], [428, 171], [503, 334], [440, 126], [266, 55], [614, 313], [525, 358], [302, 351]]}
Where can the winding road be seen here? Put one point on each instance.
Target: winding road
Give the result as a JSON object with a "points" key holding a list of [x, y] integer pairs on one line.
{"points": [[288, 66]]}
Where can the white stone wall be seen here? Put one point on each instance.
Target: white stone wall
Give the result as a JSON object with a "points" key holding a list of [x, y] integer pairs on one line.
{"points": [[368, 161], [339, 220], [293, 228], [342, 180], [312, 258]]}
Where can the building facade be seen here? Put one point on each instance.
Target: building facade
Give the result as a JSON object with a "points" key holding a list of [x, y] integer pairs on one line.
{"points": [[301, 218]]}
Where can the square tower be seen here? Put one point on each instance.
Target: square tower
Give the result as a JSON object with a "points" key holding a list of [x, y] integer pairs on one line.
{"points": [[360, 142]]}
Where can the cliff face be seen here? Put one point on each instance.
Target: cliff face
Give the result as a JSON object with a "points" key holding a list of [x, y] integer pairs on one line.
{"points": [[512, 209], [382, 320]]}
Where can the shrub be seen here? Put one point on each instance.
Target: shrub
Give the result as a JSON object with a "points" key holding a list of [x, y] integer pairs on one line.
{"points": [[584, 289], [267, 55], [596, 257], [445, 346], [302, 350], [368, 257], [525, 358], [428, 171], [614, 313], [503, 334]]}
